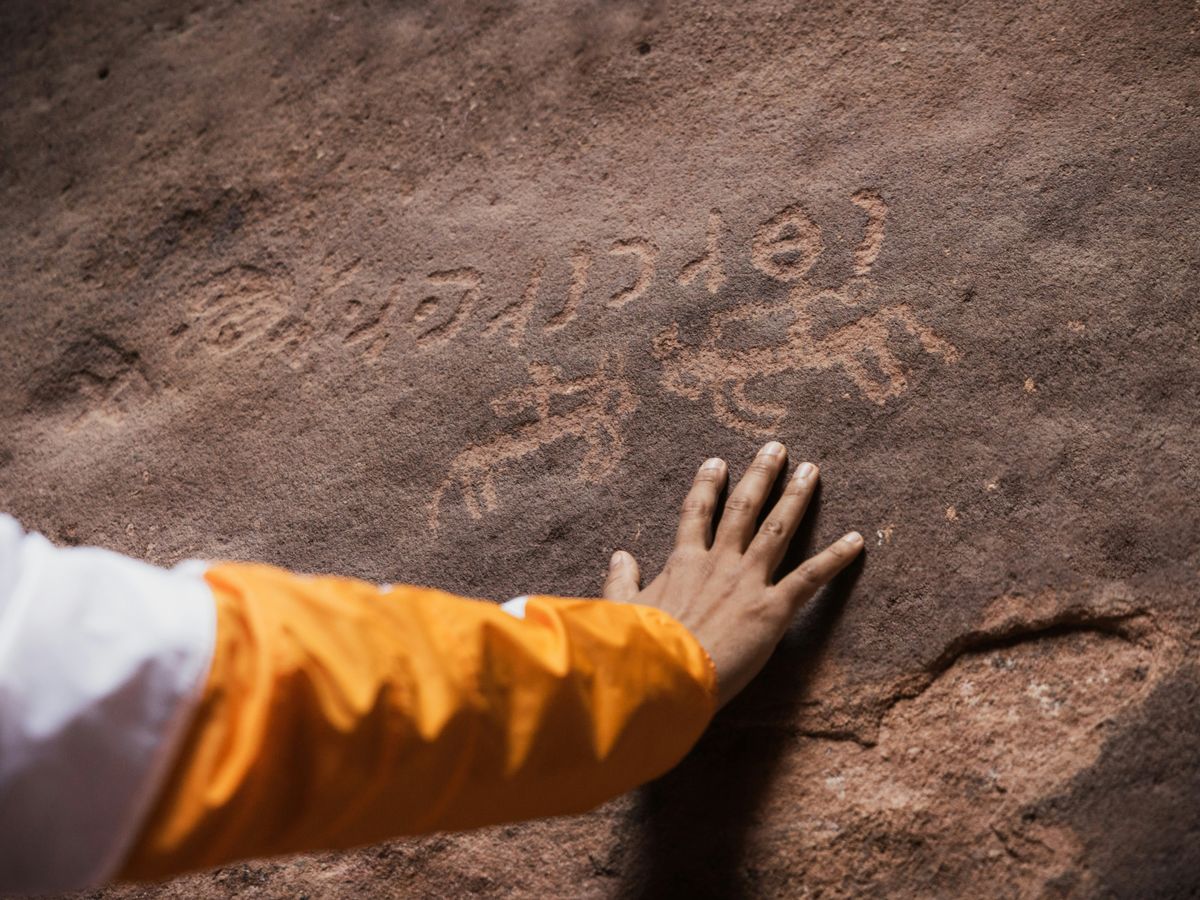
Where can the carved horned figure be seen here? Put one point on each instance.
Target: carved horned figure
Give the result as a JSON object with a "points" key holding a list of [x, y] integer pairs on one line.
{"points": [[607, 400], [785, 248]]}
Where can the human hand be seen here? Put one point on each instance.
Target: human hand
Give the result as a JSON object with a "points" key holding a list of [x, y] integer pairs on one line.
{"points": [[720, 586]]}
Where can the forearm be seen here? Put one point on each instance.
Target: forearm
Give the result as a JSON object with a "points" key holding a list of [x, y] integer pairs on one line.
{"points": [[174, 720], [335, 714]]}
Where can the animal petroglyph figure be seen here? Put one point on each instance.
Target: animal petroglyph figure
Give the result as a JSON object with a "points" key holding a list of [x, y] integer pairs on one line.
{"points": [[785, 247], [606, 400]]}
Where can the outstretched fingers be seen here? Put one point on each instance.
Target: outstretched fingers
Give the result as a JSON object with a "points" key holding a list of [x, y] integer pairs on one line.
{"points": [[747, 499], [695, 521], [770, 544], [815, 573]]}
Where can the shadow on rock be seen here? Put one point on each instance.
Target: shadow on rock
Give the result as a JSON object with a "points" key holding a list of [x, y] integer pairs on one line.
{"points": [[690, 827]]}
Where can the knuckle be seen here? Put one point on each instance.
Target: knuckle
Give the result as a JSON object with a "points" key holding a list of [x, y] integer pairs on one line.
{"points": [[738, 504], [697, 507], [810, 574], [761, 467], [684, 560], [765, 607], [708, 476], [772, 528]]}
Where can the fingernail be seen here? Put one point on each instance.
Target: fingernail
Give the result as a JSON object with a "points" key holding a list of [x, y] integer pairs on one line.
{"points": [[805, 471], [715, 463], [772, 449], [617, 558], [853, 538]]}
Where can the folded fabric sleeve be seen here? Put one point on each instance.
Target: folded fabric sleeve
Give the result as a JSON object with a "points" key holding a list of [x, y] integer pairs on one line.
{"points": [[154, 722]]}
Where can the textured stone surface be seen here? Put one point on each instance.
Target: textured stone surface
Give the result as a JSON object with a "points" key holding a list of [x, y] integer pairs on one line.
{"points": [[461, 294]]}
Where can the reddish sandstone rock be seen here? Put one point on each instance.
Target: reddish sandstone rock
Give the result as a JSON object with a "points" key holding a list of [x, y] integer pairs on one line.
{"points": [[461, 295]]}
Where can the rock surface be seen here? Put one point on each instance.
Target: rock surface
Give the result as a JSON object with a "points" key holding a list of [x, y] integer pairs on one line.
{"points": [[461, 294]]}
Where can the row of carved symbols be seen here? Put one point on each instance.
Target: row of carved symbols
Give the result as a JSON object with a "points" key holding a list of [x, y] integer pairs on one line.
{"points": [[457, 295], [245, 305]]}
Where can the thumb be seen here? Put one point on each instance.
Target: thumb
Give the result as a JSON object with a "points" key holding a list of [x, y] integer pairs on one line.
{"points": [[623, 577]]}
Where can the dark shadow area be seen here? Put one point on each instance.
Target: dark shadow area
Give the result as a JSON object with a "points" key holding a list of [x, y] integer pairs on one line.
{"points": [[691, 826], [1137, 809]]}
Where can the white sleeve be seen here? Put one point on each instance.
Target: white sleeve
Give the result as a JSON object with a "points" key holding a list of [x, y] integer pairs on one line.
{"points": [[102, 660], [516, 606]]}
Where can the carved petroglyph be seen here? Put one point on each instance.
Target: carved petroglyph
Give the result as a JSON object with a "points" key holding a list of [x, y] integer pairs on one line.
{"points": [[361, 322], [465, 283], [367, 327], [364, 327], [606, 399], [871, 334], [237, 306], [708, 263], [243, 309], [515, 317], [786, 247], [581, 263], [868, 250], [646, 254], [332, 278]]}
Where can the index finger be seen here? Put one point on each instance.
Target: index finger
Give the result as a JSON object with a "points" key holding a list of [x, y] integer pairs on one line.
{"points": [[695, 520], [813, 574]]}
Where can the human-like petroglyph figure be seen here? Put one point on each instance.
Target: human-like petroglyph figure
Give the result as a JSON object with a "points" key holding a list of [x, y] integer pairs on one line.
{"points": [[785, 247], [606, 400]]}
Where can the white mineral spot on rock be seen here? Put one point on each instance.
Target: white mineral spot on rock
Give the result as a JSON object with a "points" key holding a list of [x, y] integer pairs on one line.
{"points": [[837, 784], [825, 825], [1030, 386], [1045, 698], [967, 690], [951, 514]]}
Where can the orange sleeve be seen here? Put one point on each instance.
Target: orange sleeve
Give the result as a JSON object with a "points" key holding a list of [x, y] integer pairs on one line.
{"points": [[336, 714]]}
